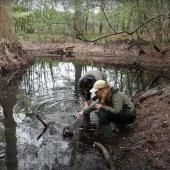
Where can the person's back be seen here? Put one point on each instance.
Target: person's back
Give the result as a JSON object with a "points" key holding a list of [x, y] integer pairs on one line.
{"points": [[87, 81], [99, 75]]}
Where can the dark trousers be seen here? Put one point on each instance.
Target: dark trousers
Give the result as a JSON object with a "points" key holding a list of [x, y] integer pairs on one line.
{"points": [[121, 118]]}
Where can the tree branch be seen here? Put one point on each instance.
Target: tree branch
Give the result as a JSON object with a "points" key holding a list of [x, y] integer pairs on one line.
{"points": [[123, 32], [107, 20], [45, 125]]}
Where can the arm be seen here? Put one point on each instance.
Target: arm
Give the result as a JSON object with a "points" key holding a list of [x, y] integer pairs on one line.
{"points": [[117, 104], [91, 108]]}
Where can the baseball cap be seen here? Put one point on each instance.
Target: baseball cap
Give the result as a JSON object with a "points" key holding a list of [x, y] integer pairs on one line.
{"points": [[99, 84]]}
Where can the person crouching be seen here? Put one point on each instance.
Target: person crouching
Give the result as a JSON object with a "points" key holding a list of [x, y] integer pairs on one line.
{"points": [[113, 107]]}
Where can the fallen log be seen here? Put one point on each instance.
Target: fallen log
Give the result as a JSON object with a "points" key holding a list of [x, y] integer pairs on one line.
{"points": [[139, 97], [67, 51], [105, 154]]}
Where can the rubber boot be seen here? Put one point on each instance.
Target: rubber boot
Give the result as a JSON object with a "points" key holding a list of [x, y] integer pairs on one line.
{"points": [[107, 130]]}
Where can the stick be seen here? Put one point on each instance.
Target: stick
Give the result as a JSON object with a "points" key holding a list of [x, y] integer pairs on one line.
{"points": [[105, 154], [44, 130], [45, 125]]}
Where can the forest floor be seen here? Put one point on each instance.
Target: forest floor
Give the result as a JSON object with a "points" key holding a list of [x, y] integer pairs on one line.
{"points": [[146, 145]]}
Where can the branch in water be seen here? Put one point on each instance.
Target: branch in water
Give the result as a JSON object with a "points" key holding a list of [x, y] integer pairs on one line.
{"points": [[44, 130], [45, 125]]}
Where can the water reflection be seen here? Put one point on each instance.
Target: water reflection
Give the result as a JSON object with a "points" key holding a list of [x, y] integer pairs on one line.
{"points": [[8, 101], [50, 89]]}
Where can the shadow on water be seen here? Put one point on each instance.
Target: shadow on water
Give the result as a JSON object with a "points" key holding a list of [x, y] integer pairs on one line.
{"points": [[50, 89]]}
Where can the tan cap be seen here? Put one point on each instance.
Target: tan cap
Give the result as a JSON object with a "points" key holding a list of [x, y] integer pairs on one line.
{"points": [[99, 84]]}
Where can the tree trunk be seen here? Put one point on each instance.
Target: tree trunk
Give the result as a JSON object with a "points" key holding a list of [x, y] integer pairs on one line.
{"points": [[5, 19], [78, 24], [101, 27]]}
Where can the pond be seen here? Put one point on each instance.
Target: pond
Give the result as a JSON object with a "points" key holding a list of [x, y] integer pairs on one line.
{"points": [[49, 88]]}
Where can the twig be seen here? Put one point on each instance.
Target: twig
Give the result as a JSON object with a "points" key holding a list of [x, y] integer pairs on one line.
{"points": [[159, 50], [45, 125], [44, 130], [105, 154]]}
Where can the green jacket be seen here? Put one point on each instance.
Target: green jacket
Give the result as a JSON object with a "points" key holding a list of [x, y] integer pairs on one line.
{"points": [[117, 103]]}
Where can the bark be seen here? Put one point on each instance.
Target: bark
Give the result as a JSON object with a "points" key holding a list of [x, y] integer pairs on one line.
{"points": [[5, 19]]}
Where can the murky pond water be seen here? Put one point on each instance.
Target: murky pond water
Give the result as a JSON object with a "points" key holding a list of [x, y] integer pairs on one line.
{"points": [[50, 89]]}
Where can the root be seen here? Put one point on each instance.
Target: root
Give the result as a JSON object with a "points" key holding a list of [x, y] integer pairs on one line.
{"points": [[105, 154]]}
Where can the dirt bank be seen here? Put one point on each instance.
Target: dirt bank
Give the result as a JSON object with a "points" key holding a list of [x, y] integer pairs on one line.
{"points": [[120, 53], [13, 60], [147, 146]]}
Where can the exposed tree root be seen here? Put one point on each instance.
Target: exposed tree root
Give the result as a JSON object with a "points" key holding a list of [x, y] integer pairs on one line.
{"points": [[105, 154]]}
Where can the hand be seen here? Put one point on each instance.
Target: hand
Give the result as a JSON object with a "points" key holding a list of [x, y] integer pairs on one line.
{"points": [[98, 106], [80, 114], [86, 103]]}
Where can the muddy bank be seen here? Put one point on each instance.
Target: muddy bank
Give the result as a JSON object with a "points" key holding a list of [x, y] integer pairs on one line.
{"points": [[146, 146], [13, 60], [121, 53]]}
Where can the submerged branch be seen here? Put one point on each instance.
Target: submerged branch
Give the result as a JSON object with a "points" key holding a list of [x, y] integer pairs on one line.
{"points": [[45, 125], [44, 130]]}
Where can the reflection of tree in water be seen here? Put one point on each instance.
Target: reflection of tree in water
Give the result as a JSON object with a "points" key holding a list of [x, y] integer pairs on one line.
{"points": [[49, 74], [130, 80], [8, 101], [78, 72], [45, 75]]}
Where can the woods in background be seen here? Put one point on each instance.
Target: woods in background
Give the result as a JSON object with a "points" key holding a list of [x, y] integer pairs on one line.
{"points": [[86, 20]]}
